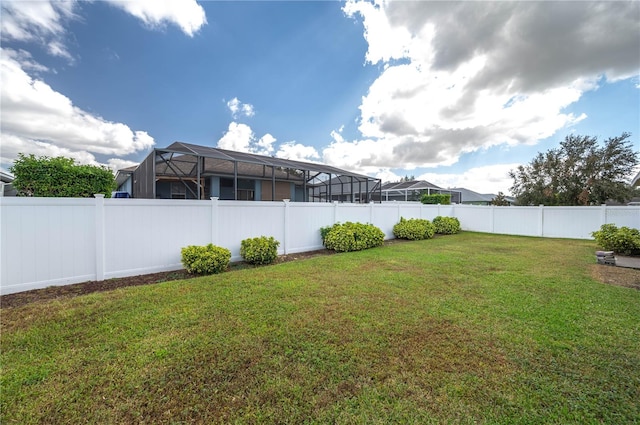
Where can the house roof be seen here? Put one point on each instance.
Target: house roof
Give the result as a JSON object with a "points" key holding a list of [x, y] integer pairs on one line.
{"points": [[6, 177], [636, 180], [471, 196], [409, 185], [260, 160]]}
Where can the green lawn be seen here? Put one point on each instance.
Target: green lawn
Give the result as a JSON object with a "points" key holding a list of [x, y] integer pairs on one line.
{"points": [[470, 328]]}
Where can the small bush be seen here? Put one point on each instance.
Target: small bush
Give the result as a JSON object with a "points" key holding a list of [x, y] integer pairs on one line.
{"points": [[208, 259], [324, 231], [414, 229], [353, 237], [262, 250], [623, 240], [446, 225], [436, 198]]}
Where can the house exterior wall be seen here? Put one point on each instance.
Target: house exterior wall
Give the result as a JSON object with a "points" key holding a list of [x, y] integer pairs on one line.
{"points": [[283, 190], [144, 183]]}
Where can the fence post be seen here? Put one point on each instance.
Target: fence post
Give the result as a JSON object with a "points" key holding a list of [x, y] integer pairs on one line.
{"points": [[215, 219], [285, 242], [335, 211], [493, 219], [100, 260], [603, 214], [541, 220]]}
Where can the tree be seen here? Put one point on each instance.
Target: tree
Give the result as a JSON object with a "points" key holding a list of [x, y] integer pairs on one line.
{"points": [[579, 172], [500, 200], [60, 177]]}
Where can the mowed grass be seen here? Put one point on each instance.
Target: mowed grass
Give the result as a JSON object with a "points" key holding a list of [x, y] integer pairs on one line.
{"points": [[470, 328]]}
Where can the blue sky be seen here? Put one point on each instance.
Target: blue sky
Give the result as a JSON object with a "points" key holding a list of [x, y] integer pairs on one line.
{"points": [[457, 93]]}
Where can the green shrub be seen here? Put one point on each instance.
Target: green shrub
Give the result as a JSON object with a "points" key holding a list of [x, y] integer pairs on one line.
{"points": [[414, 229], [446, 225], [208, 259], [436, 198], [262, 250], [623, 240], [353, 237], [324, 231]]}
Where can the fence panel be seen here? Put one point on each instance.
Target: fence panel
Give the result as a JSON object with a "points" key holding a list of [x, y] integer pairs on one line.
{"points": [[623, 216], [46, 241], [238, 220], [474, 218], [303, 226], [145, 236], [57, 241], [385, 216], [523, 221], [352, 212], [561, 222]]}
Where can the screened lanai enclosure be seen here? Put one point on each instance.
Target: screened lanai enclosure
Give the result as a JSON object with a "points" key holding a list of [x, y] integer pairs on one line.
{"points": [[186, 171]]}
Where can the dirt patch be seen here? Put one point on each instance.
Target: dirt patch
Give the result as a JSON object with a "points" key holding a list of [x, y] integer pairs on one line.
{"points": [[619, 276]]}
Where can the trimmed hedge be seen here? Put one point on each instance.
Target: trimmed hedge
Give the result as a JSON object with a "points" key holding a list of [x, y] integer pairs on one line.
{"points": [[261, 250], [352, 237], [446, 225], [436, 198], [208, 259], [413, 229], [623, 240]]}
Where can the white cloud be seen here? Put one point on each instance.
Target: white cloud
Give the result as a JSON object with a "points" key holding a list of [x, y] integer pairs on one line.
{"points": [[462, 76], [37, 119], [188, 15], [297, 152], [264, 146], [237, 138], [12, 145], [240, 137], [38, 21], [238, 108], [118, 164], [486, 179]]}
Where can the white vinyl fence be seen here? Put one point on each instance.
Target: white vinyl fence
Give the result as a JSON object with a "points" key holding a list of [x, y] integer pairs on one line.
{"points": [[59, 241]]}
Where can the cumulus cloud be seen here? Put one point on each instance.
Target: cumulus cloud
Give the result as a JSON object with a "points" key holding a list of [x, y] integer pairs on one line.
{"points": [[37, 119], [239, 109], [486, 179], [38, 21], [240, 137], [118, 163], [462, 76], [188, 15], [297, 152], [237, 138]]}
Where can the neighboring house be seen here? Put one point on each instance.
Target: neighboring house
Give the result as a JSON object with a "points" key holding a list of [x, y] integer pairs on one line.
{"points": [[6, 186], [124, 179], [413, 190], [469, 197], [186, 171]]}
